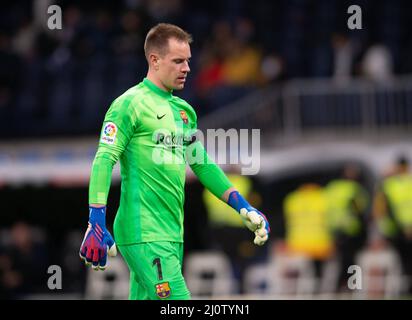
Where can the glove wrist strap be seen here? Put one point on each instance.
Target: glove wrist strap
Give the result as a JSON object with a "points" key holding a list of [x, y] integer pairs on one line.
{"points": [[237, 202], [97, 215]]}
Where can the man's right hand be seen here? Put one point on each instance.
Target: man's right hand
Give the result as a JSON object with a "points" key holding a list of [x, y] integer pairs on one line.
{"points": [[97, 242]]}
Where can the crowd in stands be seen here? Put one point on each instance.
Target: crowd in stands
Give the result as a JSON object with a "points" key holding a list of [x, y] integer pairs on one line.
{"points": [[61, 82]]}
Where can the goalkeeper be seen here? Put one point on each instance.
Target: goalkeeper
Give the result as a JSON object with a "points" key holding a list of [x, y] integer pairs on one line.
{"points": [[151, 132]]}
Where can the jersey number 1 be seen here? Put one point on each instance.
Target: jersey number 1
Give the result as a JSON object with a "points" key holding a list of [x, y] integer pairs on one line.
{"points": [[159, 268]]}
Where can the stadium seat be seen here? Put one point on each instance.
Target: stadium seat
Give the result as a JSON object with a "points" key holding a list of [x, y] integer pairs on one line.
{"points": [[329, 278], [209, 274], [381, 274], [256, 279], [291, 275], [112, 284]]}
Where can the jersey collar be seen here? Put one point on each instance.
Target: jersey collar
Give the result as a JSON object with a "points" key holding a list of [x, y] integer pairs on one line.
{"points": [[156, 89]]}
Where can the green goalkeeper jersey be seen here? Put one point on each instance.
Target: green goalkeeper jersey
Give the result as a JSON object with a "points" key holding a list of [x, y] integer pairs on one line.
{"points": [[148, 130]]}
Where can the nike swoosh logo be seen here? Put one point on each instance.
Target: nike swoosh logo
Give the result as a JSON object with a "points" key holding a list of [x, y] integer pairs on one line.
{"points": [[158, 118]]}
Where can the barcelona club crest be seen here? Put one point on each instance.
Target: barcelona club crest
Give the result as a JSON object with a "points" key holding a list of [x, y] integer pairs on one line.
{"points": [[183, 115], [163, 290]]}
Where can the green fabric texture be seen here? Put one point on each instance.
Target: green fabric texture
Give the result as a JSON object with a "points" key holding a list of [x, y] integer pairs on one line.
{"points": [[208, 172], [148, 131], [155, 271]]}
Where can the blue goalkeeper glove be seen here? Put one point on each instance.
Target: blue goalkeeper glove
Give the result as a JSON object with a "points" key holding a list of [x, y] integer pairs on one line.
{"points": [[97, 242], [252, 218]]}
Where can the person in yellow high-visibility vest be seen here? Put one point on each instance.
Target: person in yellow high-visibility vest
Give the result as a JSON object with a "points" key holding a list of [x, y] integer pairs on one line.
{"points": [[307, 226], [224, 225], [348, 202], [392, 211]]}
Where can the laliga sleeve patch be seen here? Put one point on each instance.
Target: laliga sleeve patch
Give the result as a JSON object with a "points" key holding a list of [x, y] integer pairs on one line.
{"points": [[109, 133]]}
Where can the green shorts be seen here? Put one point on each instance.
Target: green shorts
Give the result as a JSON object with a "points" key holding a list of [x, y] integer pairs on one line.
{"points": [[155, 270]]}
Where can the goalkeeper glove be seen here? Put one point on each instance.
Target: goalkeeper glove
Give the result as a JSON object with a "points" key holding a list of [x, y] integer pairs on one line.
{"points": [[252, 218], [97, 242]]}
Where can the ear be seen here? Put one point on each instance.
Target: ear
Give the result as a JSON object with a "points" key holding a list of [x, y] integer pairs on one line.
{"points": [[154, 61]]}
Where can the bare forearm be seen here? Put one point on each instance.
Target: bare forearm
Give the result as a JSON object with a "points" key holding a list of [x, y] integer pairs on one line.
{"points": [[96, 205]]}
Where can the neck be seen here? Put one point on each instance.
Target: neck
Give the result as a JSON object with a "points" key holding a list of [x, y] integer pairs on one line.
{"points": [[153, 78]]}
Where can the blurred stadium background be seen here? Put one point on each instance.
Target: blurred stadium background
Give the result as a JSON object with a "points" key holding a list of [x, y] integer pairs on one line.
{"points": [[324, 97]]}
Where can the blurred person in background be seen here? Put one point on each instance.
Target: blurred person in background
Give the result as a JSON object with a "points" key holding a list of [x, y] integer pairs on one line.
{"points": [[230, 64], [208, 78], [345, 50], [11, 76], [377, 63], [272, 68], [153, 134], [23, 262], [348, 202], [392, 211], [241, 66], [307, 226]]}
